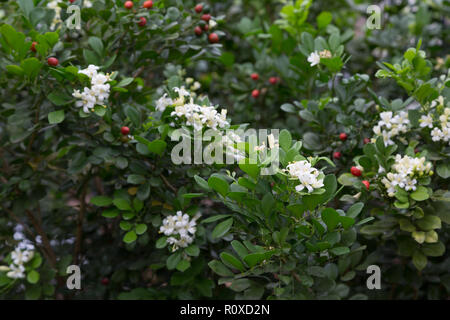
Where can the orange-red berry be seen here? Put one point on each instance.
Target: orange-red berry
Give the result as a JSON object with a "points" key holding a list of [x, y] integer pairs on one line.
{"points": [[53, 62], [148, 4]]}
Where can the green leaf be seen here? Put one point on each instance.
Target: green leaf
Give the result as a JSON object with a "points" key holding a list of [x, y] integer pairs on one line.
{"points": [[56, 117], [161, 242], [240, 249], [253, 259], [240, 284], [218, 184], [33, 276], [122, 204], [52, 38], [219, 268], [231, 261], [192, 250], [130, 237], [347, 179], [420, 194], [135, 179], [31, 67], [183, 265], [173, 260], [429, 222], [215, 218], [97, 45], [134, 115], [324, 19], [58, 98], [251, 169], [110, 213], [157, 146], [419, 260], [330, 217], [202, 183], [222, 228], [285, 139], [340, 250], [141, 228], [355, 210], [12, 68], [443, 170], [125, 82], [26, 6], [101, 201], [433, 249]]}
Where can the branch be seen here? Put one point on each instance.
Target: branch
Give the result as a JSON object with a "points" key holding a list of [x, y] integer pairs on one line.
{"points": [[167, 183], [48, 248], [79, 234]]}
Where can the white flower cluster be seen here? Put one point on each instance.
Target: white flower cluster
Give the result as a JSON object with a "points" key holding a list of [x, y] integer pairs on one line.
{"points": [[180, 229], [309, 177], [22, 254], [391, 125], [193, 114], [98, 94], [404, 173], [438, 134]]}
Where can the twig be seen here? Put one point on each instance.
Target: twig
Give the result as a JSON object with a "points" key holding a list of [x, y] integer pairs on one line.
{"points": [[167, 183], [48, 248], [79, 235]]}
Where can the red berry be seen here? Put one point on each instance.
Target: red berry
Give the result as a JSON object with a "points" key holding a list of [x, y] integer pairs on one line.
{"points": [[273, 80], [125, 130], [337, 155], [206, 27], [198, 31], [254, 76], [343, 136], [71, 1], [105, 281], [255, 93], [272, 184], [366, 140], [52, 62], [206, 17], [366, 183], [148, 4], [213, 38], [128, 4], [142, 22], [355, 171], [198, 8], [33, 46]]}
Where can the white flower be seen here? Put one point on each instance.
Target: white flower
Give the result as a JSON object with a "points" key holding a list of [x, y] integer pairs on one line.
{"points": [[97, 94], [426, 121], [212, 23], [163, 102], [90, 71], [179, 227], [20, 257], [436, 134], [307, 175], [17, 272], [391, 125], [386, 118], [404, 173], [314, 58]]}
